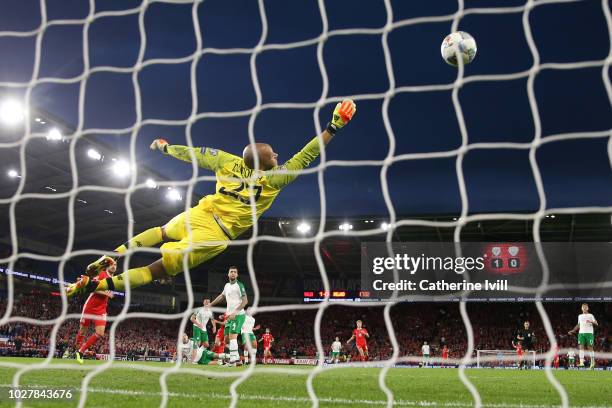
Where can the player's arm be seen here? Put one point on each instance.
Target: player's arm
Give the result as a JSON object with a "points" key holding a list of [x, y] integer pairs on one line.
{"points": [[594, 322], [214, 325], [343, 113], [106, 293], [367, 334], [574, 330], [257, 327], [194, 320], [351, 339], [217, 300], [211, 159]]}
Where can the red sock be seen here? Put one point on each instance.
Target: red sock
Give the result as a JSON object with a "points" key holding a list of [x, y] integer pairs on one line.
{"points": [[79, 340], [90, 342]]}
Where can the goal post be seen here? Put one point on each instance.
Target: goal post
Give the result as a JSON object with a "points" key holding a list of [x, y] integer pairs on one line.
{"points": [[503, 358]]}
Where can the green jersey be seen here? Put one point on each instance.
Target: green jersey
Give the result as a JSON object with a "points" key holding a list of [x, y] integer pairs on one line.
{"points": [[233, 293]]}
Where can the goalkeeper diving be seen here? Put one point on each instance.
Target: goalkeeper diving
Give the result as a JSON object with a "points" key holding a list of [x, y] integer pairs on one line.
{"points": [[203, 232]]}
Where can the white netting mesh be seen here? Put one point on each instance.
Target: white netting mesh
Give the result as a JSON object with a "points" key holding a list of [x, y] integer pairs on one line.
{"points": [[321, 234]]}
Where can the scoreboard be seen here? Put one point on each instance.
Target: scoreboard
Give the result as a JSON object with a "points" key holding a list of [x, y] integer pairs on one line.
{"points": [[338, 295], [506, 258]]}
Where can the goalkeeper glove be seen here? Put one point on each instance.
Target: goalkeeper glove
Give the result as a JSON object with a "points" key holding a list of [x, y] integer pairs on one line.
{"points": [[160, 144], [342, 115]]}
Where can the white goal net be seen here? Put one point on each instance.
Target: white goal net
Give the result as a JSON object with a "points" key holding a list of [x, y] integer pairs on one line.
{"points": [[471, 357]]}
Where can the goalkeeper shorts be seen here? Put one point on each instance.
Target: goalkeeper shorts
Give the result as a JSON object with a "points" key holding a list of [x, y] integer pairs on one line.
{"points": [[206, 240]]}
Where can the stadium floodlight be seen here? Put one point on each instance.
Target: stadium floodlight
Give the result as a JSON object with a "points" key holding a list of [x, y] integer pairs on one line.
{"points": [[303, 227], [12, 173], [94, 154], [151, 183], [54, 134], [12, 112], [345, 227], [121, 168], [173, 195], [384, 226]]}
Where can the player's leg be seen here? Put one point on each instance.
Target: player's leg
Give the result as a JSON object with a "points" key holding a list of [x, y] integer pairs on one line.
{"points": [[148, 238], [98, 334], [245, 348], [235, 327], [83, 328], [253, 352], [204, 339], [81, 333], [365, 353], [172, 230], [206, 241], [206, 357], [581, 344], [591, 356]]}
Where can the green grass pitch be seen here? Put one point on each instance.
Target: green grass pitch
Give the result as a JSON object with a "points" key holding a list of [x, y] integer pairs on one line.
{"points": [[123, 386]]}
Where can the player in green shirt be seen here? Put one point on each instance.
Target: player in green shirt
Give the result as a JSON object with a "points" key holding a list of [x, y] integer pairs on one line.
{"points": [[586, 336], [236, 299]]}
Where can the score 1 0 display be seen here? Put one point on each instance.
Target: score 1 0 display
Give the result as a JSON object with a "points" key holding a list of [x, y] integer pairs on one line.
{"points": [[337, 295], [506, 259]]}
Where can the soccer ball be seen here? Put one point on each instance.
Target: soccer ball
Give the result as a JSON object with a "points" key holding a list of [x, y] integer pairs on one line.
{"points": [[458, 43]]}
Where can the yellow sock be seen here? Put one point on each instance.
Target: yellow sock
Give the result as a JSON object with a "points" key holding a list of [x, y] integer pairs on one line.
{"points": [[137, 277], [148, 238]]}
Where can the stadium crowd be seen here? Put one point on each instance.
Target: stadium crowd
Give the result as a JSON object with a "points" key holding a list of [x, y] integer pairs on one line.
{"points": [[32, 340], [438, 324]]}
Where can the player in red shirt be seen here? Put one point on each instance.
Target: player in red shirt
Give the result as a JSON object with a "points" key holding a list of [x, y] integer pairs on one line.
{"points": [[220, 336], [556, 360], [444, 355], [519, 353], [95, 305], [267, 339], [360, 335]]}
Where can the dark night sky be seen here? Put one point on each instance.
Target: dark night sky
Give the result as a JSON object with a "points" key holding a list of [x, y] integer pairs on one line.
{"points": [[575, 173]]}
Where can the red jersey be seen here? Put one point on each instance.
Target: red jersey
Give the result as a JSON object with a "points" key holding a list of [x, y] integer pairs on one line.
{"points": [[267, 340], [97, 303], [519, 350], [221, 329], [444, 353], [360, 336]]}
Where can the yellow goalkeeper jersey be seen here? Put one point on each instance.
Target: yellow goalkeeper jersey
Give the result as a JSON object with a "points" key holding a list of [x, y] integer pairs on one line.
{"points": [[231, 205]]}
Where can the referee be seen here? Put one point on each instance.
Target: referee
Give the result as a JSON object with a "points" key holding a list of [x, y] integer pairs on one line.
{"points": [[527, 338]]}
